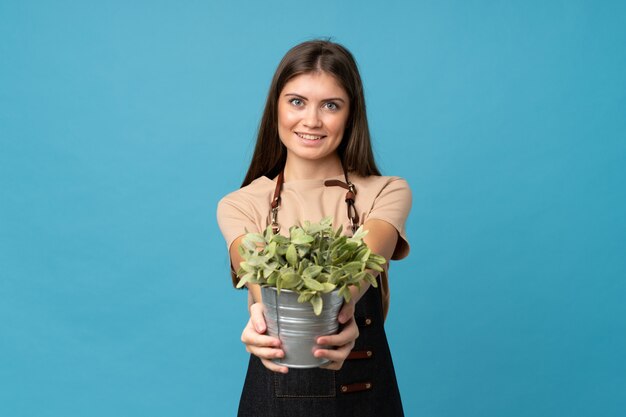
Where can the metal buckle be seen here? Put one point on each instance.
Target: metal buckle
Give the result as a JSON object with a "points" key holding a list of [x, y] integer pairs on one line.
{"points": [[274, 219]]}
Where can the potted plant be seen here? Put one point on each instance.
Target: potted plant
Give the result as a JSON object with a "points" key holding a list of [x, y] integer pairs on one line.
{"points": [[304, 280]]}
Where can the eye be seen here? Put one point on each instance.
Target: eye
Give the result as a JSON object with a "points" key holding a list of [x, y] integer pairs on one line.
{"points": [[332, 106], [296, 102]]}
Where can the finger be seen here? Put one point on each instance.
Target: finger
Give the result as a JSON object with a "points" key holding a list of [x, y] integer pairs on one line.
{"points": [[335, 355], [265, 352], [274, 367], [249, 336], [349, 333], [346, 312], [257, 317], [260, 341]]}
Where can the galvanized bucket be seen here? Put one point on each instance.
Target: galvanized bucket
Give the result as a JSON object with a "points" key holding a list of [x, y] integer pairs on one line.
{"points": [[297, 326]]}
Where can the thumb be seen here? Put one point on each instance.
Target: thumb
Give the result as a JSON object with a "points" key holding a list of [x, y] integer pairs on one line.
{"points": [[346, 312], [258, 320]]}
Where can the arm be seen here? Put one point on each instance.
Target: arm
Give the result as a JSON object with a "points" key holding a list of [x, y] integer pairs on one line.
{"points": [[381, 239], [253, 335]]}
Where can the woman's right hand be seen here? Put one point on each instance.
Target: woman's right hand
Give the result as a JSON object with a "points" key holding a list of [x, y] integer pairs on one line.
{"points": [[260, 344]]}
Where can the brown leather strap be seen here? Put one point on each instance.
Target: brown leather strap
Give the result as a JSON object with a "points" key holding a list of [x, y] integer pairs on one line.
{"points": [[350, 197], [359, 386], [360, 354], [275, 204], [279, 185]]}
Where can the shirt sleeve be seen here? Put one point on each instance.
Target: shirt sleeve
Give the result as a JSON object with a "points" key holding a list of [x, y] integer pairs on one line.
{"points": [[393, 205], [234, 219]]}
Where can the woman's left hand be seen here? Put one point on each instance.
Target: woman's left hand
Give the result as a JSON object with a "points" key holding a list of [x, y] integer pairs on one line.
{"points": [[344, 340]]}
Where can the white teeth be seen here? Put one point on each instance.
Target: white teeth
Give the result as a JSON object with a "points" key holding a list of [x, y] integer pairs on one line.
{"points": [[309, 137]]}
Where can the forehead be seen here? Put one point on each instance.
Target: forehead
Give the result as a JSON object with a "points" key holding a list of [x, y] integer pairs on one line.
{"points": [[318, 84]]}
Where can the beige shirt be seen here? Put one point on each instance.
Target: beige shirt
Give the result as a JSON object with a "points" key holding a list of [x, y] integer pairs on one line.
{"points": [[377, 197]]}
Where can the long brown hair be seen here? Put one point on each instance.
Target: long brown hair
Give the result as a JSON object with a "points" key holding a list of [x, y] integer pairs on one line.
{"points": [[355, 150]]}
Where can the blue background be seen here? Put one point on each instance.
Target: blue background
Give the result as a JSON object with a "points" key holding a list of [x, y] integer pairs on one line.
{"points": [[121, 126]]}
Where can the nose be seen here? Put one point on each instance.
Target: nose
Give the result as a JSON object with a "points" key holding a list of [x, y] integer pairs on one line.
{"points": [[312, 118]]}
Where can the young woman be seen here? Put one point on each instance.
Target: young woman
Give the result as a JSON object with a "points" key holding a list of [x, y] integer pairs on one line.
{"points": [[313, 159]]}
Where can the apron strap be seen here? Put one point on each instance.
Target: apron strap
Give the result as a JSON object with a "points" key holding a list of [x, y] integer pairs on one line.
{"points": [[353, 216], [275, 205]]}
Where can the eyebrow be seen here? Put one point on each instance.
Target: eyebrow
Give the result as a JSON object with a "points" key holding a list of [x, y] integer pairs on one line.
{"points": [[326, 99]]}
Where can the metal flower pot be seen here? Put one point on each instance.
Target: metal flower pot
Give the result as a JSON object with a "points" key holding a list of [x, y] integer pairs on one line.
{"points": [[297, 326]]}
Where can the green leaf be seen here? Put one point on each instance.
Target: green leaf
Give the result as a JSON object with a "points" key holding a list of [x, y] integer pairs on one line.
{"points": [[302, 239], [315, 256], [345, 293], [312, 271], [290, 279], [327, 222], [335, 275], [305, 296], [269, 268], [303, 251], [362, 250], [279, 239], [255, 237], [371, 279], [271, 249], [291, 255], [317, 304], [373, 266], [246, 267], [360, 233], [328, 287], [323, 277], [256, 261], [271, 280], [358, 277], [245, 279], [248, 244], [312, 284], [377, 258], [342, 257], [353, 267]]}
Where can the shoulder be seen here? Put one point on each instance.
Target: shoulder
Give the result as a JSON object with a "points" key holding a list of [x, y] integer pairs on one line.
{"points": [[243, 209], [381, 185], [250, 195], [385, 197]]}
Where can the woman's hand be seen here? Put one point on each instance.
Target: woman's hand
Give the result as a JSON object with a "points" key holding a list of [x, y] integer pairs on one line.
{"points": [[259, 344], [344, 340]]}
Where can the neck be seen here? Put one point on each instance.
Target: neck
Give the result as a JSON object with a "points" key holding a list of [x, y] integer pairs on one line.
{"points": [[304, 169]]}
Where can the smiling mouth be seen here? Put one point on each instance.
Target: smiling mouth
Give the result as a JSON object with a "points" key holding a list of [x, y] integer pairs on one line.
{"points": [[310, 137]]}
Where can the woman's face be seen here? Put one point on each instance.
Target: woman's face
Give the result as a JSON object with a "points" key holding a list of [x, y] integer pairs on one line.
{"points": [[313, 110]]}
